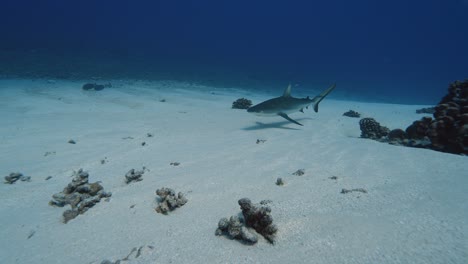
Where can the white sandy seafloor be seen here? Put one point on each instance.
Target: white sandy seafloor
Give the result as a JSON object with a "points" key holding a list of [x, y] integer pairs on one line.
{"points": [[415, 209]]}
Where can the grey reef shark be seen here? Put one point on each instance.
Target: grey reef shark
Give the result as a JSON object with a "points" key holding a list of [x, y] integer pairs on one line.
{"points": [[286, 104]]}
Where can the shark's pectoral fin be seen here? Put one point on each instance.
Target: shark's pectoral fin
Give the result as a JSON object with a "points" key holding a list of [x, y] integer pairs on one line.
{"points": [[285, 116], [302, 110]]}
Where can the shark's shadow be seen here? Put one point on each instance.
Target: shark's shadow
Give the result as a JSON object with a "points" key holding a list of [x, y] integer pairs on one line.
{"points": [[280, 124]]}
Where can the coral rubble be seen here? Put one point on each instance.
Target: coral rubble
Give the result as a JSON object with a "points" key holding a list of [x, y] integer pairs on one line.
{"points": [[134, 175], [299, 172], [279, 182], [259, 218], [168, 201], [95, 86], [80, 195], [134, 254], [352, 113], [15, 176], [354, 190], [235, 229], [241, 103]]}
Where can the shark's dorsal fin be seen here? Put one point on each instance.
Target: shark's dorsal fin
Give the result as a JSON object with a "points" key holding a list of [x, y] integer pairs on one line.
{"points": [[287, 91]]}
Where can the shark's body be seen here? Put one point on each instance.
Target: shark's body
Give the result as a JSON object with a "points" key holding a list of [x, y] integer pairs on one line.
{"points": [[286, 104]]}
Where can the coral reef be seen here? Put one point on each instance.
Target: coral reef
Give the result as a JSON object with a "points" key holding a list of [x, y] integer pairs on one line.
{"points": [[15, 176], [397, 134], [418, 129], [134, 175], [241, 103], [80, 195], [449, 131], [372, 129], [352, 113], [168, 201], [255, 216], [413, 136], [446, 132], [427, 110]]}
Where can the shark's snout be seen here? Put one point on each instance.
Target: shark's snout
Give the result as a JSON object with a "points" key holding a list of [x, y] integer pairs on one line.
{"points": [[257, 112], [254, 110]]}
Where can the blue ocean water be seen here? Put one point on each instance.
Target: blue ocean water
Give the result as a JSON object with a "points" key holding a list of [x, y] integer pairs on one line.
{"points": [[393, 51]]}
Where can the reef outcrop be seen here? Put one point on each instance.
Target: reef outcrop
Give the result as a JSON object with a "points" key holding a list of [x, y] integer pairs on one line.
{"points": [[446, 131], [241, 103], [372, 129]]}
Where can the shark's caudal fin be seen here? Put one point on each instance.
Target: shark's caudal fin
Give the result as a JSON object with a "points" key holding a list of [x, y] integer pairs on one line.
{"points": [[317, 99]]}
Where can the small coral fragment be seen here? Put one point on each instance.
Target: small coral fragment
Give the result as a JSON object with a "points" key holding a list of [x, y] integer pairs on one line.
{"points": [[168, 201], [256, 217], [80, 195]]}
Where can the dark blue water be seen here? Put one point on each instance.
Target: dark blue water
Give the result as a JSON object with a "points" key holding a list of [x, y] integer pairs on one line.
{"points": [[395, 51]]}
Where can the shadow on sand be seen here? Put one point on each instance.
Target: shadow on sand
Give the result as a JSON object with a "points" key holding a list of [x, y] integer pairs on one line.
{"points": [[281, 125]]}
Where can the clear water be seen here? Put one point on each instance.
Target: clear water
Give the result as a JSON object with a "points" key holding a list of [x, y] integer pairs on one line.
{"points": [[392, 51]]}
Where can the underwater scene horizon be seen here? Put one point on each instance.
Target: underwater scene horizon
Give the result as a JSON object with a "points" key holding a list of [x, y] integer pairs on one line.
{"points": [[238, 132], [396, 52]]}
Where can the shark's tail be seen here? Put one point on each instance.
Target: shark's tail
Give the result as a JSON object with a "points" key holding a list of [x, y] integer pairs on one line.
{"points": [[317, 99]]}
